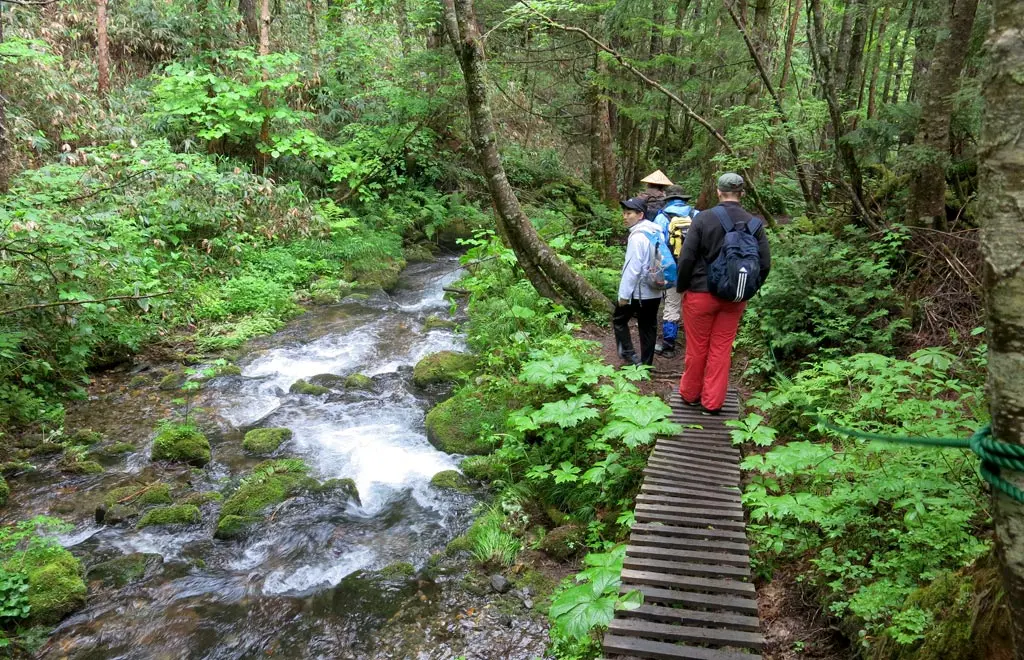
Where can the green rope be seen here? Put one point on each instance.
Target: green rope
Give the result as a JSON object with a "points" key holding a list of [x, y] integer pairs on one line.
{"points": [[994, 455]]}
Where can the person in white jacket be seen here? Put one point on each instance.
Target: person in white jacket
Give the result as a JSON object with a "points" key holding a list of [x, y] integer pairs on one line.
{"points": [[637, 298]]}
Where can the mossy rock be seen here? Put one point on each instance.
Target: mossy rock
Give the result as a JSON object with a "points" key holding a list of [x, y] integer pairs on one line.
{"points": [[199, 499], [265, 441], [442, 367], [458, 544], [346, 486], [82, 467], [270, 483], [115, 514], [85, 437], [482, 468], [121, 571], [359, 382], [5, 491], [117, 449], [330, 381], [55, 585], [400, 569], [563, 542], [172, 381], [138, 381], [418, 254], [454, 426], [178, 514], [435, 322], [304, 387], [451, 480], [138, 495], [42, 449], [386, 276], [184, 444]]}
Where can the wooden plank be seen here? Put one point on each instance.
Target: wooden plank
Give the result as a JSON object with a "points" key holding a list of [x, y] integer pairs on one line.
{"points": [[733, 511], [645, 648], [672, 461], [693, 599], [713, 493], [719, 517], [690, 532], [685, 477], [688, 582], [654, 496], [735, 558], [716, 447], [729, 547], [646, 516], [694, 617], [699, 635], [718, 454], [683, 568]]}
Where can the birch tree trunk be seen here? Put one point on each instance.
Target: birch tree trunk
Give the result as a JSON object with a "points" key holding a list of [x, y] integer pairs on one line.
{"points": [[927, 205], [540, 263], [1002, 240], [102, 49]]}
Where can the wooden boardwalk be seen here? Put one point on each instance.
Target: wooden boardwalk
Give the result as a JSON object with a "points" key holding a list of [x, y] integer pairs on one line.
{"points": [[688, 551]]}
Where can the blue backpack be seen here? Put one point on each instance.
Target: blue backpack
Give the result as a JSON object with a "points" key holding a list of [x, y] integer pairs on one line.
{"points": [[662, 272], [736, 274]]}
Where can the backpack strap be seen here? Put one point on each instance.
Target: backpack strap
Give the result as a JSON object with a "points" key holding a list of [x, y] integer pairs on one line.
{"points": [[724, 219], [753, 225]]}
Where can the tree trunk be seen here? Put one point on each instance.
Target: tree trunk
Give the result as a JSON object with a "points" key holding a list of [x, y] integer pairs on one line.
{"points": [[247, 10], [928, 182], [264, 50], [402, 19], [794, 22], [102, 48], [5, 136], [901, 60], [924, 47], [876, 63], [853, 71], [544, 268], [893, 47], [1001, 193], [842, 49], [314, 40], [848, 160]]}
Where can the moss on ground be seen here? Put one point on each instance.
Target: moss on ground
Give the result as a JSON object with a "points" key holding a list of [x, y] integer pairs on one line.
{"points": [[55, 585], [564, 542], [82, 467], [442, 367], [270, 483], [124, 570], [178, 514], [483, 468], [435, 322], [451, 480], [138, 495], [359, 382], [85, 437], [199, 499], [119, 448], [401, 569], [304, 387], [172, 381], [418, 253], [5, 491], [265, 441], [455, 425], [181, 443]]}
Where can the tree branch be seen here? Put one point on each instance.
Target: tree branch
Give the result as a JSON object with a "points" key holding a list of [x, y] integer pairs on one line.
{"points": [[13, 310], [30, 3], [690, 112]]}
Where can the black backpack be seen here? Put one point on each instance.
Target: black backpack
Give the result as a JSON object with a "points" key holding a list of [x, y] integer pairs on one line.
{"points": [[735, 275]]}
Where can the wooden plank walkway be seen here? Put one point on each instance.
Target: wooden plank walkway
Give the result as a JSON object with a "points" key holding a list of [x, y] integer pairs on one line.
{"points": [[688, 551]]}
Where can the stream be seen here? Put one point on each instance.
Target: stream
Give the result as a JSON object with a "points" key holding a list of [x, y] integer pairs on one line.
{"points": [[307, 582]]}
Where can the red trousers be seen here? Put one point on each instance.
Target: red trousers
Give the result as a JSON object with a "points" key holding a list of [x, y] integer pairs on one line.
{"points": [[711, 325]]}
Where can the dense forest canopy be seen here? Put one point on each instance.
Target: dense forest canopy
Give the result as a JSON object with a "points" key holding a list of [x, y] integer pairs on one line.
{"points": [[178, 178]]}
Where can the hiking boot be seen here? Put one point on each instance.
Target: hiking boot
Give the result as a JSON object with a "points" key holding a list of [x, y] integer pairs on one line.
{"points": [[668, 352], [714, 413], [692, 404]]}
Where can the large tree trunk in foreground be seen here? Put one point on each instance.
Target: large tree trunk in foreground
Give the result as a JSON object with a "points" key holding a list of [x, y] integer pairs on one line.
{"points": [[264, 50], [102, 48], [5, 134], [544, 268], [1002, 241], [928, 182]]}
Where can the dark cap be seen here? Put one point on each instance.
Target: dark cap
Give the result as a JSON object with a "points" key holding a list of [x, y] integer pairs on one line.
{"points": [[731, 182], [634, 204], [676, 192]]}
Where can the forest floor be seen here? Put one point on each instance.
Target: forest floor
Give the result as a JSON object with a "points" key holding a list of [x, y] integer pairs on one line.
{"points": [[793, 624]]}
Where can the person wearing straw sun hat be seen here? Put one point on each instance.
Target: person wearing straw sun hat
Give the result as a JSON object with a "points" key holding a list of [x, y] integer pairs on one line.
{"points": [[654, 195]]}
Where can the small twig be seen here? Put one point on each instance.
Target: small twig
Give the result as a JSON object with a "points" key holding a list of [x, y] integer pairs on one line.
{"points": [[136, 493], [141, 296], [120, 184]]}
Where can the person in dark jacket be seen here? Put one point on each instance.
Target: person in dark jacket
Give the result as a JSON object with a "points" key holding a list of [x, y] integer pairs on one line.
{"points": [[710, 322]]}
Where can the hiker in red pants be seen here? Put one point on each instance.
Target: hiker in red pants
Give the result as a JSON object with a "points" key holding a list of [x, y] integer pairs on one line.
{"points": [[725, 260]]}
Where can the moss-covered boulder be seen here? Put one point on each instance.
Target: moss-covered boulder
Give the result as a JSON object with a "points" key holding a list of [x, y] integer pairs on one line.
{"points": [[5, 491], [270, 483], [81, 467], [330, 381], [172, 381], [199, 499], [442, 367], [55, 585], [178, 514], [455, 425], [385, 275], [124, 570], [359, 382], [564, 542], [418, 253], [482, 468], [305, 387], [138, 495], [265, 441], [85, 437], [435, 322], [345, 486], [181, 443], [397, 571], [451, 480]]}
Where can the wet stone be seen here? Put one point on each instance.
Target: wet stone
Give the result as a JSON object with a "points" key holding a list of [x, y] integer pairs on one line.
{"points": [[499, 583]]}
